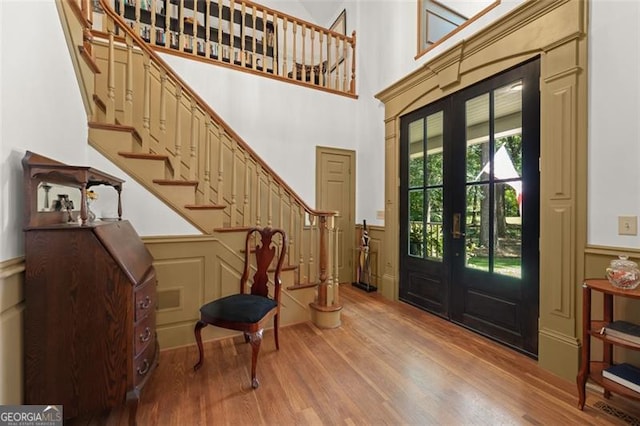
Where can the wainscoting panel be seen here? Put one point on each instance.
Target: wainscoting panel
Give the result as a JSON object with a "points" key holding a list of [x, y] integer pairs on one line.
{"points": [[11, 325], [178, 280], [193, 270]]}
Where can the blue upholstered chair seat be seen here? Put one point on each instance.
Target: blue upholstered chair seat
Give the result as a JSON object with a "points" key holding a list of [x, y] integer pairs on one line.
{"points": [[239, 308]]}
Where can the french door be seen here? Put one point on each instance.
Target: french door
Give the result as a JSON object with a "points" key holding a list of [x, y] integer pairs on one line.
{"points": [[470, 207]]}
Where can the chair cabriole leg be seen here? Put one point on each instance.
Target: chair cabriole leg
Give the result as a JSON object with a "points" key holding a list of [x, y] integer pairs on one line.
{"points": [[256, 340], [197, 331], [275, 330]]}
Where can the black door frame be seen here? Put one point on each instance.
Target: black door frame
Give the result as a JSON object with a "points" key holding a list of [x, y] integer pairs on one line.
{"points": [[428, 284]]}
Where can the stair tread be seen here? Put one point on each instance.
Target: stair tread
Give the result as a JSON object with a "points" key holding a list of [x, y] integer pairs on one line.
{"points": [[109, 126], [143, 156], [204, 207], [176, 182]]}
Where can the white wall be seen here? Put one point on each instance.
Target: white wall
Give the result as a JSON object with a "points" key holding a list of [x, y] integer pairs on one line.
{"points": [[614, 120], [42, 111]]}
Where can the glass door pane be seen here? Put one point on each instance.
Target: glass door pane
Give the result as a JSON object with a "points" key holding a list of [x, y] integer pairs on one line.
{"points": [[507, 180], [493, 235], [426, 187], [478, 167]]}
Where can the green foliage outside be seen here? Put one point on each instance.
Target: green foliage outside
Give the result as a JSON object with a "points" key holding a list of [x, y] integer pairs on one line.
{"points": [[426, 209]]}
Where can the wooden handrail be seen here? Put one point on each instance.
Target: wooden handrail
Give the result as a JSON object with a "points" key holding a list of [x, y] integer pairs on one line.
{"points": [[197, 33], [204, 106]]}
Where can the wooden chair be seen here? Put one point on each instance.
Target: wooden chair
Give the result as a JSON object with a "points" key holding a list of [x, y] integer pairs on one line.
{"points": [[248, 312]]}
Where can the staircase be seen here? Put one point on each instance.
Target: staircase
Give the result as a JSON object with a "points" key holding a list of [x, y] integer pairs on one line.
{"points": [[151, 124]]}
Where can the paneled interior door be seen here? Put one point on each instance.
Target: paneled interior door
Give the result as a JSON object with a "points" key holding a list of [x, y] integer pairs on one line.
{"points": [[336, 191], [470, 207]]}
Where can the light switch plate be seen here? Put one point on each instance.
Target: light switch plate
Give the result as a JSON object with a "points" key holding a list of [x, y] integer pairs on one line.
{"points": [[627, 225], [380, 214]]}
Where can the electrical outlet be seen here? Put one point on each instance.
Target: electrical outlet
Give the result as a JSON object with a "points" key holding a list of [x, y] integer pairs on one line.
{"points": [[627, 225]]}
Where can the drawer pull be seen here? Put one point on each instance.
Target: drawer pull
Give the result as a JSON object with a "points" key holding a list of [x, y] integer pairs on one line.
{"points": [[145, 368], [144, 337], [144, 304]]}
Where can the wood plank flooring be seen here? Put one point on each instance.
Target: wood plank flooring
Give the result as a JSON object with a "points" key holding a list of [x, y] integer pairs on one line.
{"points": [[389, 363]]}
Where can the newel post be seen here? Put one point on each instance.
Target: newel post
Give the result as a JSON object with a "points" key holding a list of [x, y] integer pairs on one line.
{"points": [[325, 310]]}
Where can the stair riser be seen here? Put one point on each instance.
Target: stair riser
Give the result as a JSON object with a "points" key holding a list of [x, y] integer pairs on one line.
{"points": [[111, 141], [146, 169], [207, 219], [176, 195]]}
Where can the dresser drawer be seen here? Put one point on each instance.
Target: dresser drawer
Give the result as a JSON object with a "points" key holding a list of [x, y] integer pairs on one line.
{"points": [[144, 363], [145, 300], [144, 332]]}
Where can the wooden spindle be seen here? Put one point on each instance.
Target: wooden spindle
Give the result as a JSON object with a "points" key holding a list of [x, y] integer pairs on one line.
{"points": [[258, 195], [270, 202], [219, 41], [345, 71], [193, 142], [136, 25], [254, 52], [336, 84], [313, 68], [246, 208], [177, 158], [111, 78], [152, 34], [284, 45], [275, 69], [292, 232], [232, 49], [311, 263], [352, 84], [206, 190], [146, 106], [207, 29], [301, 275], [303, 40], [128, 96], [265, 40], [181, 36], [163, 106], [322, 286], [220, 137], [322, 75], [243, 24], [167, 24], [234, 183], [294, 59]]}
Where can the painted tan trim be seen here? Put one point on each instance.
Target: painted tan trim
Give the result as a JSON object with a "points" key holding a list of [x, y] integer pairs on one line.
{"points": [[560, 42], [11, 325]]}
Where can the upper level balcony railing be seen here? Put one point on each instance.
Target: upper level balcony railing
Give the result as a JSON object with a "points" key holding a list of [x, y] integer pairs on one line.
{"points": [[248, 36]]}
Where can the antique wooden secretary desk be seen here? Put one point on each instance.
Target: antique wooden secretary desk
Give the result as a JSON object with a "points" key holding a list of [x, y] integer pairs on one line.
{"points": [[90, 296]]}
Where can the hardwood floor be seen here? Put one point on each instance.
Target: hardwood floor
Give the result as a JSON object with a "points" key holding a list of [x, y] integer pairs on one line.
{"points": [[389, 363]]}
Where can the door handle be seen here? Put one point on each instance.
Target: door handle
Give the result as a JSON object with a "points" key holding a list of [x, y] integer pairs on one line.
{"points": [[456, 226]]}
